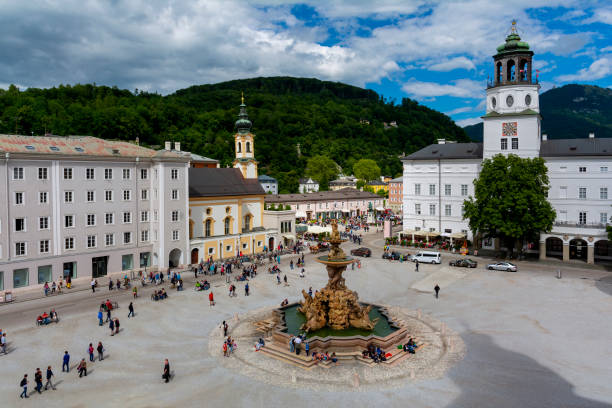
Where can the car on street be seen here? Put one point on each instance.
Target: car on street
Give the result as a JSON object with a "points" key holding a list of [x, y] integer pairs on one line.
{"points": [[426, 257], [363, 251], [395, 256], [464, 263], [502, 266]]}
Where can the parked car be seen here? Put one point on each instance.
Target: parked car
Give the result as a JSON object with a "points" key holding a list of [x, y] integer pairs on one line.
{"points": [[395, 256], [502, 266], [426, 257], [363, 251], [464, 263]]}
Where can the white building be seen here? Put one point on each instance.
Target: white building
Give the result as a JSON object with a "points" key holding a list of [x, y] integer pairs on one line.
{"points": [[308, 185], [438, 178], [83, 206], [269, 184]]}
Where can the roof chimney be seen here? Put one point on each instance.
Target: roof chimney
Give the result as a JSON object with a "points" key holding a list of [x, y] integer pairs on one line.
{"points": [[168, 146], [544, 136], [177, 146], [592, 135], [441, 141]]}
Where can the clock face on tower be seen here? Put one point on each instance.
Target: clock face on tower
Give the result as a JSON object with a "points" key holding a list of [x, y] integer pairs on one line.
{"points": [[509, 129], [509, 100]]}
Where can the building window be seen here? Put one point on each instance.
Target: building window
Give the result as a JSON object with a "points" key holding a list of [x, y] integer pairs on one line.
{"points": [[42, 197], [417, 209], [109, 239], [91, 220], [18, 173], [432, 189], [127, 217], [504, 144], [432, 209], [447, 189], [69, 243], [127, 237], [108, 195], [515, 143], [68, 196], [109, 218], [90, 174], [144, 194], [175, 194], [155, 216], [144, 235], [20, 248], [582, 192], [144, 216], [603, 218], [20, 224], [43, 246], [582, 218], [69, 221], [127, 174], [207, 228], [127, 195], [144, 174], [582, 169], [18, 198], [447, 210], [174, 174], [43, 173], [175, 216], [175, 235], [603, 169], [603, 193], [91, 241], [227, 225], [464, 190], [67, 173], [108, 174], [91, 196], [43, 223]]}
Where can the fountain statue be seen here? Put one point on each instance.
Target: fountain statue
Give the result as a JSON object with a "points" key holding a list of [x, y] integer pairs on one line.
{"points": [[335, 305]]}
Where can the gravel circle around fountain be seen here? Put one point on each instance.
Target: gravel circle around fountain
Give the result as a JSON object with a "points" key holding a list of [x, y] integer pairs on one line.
{"points": [[443, 349]]}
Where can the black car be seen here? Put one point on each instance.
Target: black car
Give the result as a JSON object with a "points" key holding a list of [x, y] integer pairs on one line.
{"points": [[395, 256], [465, 263], [365, 252]]}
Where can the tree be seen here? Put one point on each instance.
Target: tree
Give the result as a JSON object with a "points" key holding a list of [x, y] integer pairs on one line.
{"points": [[322, 169], [510, 200], [366, 169]]}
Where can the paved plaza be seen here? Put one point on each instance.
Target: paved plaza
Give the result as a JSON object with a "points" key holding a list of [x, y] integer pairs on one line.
{"points": [[531, 340]]}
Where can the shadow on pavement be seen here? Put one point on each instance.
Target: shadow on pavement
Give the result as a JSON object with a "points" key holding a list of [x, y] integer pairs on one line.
{"points": [[500, 378], [605, 285]]}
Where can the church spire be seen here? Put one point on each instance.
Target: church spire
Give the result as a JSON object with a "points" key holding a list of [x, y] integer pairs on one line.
{"points": [[243, 124]]}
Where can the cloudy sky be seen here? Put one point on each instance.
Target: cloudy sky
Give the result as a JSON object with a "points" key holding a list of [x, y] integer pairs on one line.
{"points": [[437, 52]]}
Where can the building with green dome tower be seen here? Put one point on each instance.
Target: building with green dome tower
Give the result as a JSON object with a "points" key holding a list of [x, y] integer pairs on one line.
{"points": [[244, 145]]}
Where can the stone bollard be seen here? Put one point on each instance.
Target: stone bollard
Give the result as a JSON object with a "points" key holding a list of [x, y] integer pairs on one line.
{"points": [[558, 273], [356, 379]]}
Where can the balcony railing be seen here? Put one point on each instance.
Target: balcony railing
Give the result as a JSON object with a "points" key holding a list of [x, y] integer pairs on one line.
{"points": [[580, 225]]}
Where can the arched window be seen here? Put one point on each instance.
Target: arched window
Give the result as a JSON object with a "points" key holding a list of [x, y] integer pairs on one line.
{"points": [[510, 71], [227, 225], [248, 147], [524, 70], [239, 147], [498, 73], [247, 222], [208, 228]]}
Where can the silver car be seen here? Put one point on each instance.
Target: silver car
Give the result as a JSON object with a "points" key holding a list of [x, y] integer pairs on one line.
{"points": [[502, 266]]}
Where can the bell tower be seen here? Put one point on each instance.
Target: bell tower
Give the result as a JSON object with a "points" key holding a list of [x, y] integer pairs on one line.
{"points": [[512, 119], [244, 145]]}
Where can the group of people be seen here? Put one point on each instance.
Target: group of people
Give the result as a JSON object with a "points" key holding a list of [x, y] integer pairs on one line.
{"points": [[51, 289], [375, 353], [324, 356], [410, 347], [159, 294], [202, 285], [229, 346], [295, 344], [46, 318]]}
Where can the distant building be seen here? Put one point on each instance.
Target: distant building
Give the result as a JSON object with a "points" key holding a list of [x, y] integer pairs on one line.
{"points": [[245, 146], [198, 161], [280, 227], [396, 194], [377, 185], [308, 185], [269, 184], [343, 182]]}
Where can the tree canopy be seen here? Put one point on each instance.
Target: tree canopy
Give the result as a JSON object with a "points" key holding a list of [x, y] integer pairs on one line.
{"points": [[366, 169], [510, 200], [322, 169]]}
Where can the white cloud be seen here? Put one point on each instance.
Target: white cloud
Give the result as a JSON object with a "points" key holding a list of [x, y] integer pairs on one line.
{"points": [[459, 110], [468, 121], [453, 63], [598, 69], [460, 88], [600, 15]]}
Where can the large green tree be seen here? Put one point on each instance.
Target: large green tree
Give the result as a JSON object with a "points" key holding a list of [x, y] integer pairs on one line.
{"points": [[510, 200], [322, 169], [366, 169]]}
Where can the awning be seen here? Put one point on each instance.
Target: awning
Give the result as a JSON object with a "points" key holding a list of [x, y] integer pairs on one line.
{"points": [[346, 211], [317, 229], [407, 232], [289, 236], [427, 233], [457, 235], [445, 234], [300, 214], [380, 208]]}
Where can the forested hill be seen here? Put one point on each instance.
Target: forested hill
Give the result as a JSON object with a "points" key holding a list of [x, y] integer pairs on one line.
{"points": [[343, 122], [570, 112]]}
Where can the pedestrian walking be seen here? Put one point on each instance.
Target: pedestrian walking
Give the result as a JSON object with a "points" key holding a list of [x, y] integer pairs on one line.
{"points": [[38, 380], [166, 373], [437, 289], [111, 326], [93, 286], [131, 309], [306, 348], [211, 299], [225, 327], [110, 284], [135, 291], [100, 317], [108, 312], [66, 362], [3, 342], [82, 368], [246, 290], [24, 385], [53, 286], [90, 350], [49, 381], [116, 326], [285, 279], [100, 351], [416, 265]]}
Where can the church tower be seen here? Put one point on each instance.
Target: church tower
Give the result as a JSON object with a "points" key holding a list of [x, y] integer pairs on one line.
{"points": [[512, 119], [245, 147]]}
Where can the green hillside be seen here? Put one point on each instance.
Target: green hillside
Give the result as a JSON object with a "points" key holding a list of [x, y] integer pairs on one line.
{"points": [[325, 118], [570, 112]]}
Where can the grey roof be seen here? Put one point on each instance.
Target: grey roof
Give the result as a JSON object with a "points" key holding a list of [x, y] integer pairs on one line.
{"points": [[447, 151], [305, 180], [342, 182], [267, 179], [342, 194], [211, 182], [376, 183], [198, 158], [576, 147], [526, 112], [397, 180]]}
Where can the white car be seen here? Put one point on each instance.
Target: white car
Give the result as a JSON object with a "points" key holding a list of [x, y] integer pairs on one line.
{"points": [[426, 257], [502, 266]]}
